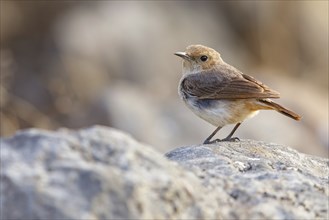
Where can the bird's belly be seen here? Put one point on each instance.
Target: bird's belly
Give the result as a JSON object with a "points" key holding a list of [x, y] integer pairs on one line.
{"points": [[222, 112]]}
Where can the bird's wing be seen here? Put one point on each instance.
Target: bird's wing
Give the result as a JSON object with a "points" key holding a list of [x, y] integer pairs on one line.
{"points": [[217, 85]]}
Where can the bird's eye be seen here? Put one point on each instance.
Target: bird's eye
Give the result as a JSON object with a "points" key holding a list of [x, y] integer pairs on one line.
{"points": [[203, 58]]}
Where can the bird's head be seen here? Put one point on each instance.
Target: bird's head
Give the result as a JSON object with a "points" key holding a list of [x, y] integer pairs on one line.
{"points": [[197, 58]]}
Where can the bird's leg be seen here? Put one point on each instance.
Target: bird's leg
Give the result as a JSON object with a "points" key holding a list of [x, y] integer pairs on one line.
{"points": [[229, 137], [207, 141]]}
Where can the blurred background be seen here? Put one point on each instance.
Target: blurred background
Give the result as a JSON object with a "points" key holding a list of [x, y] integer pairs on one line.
{"points": [[79, 63]]}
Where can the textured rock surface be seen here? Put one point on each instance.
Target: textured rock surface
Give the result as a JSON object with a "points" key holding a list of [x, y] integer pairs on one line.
{"points": [[257, 180], [102, 173], [96, 173]]}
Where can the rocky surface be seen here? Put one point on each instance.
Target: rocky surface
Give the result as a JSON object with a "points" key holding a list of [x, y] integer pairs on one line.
{"points": [[258, 180], [102, 173], [96, 173]]}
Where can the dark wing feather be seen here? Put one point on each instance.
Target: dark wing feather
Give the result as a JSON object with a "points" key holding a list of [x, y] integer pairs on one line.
{"points": [[217, 85]]}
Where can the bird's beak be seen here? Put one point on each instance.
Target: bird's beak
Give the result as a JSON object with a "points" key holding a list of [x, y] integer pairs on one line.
{"points": [[183, 55]]}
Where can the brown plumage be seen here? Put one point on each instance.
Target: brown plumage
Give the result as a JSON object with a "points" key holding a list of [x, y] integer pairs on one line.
{"points": [[219, 93], [217, 84]]}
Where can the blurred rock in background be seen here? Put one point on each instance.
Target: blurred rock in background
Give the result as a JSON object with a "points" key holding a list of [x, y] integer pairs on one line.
{"points": [[82, 63]]}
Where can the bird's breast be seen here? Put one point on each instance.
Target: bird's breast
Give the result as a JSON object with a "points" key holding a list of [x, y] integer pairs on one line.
{"points": [[220, 112]]}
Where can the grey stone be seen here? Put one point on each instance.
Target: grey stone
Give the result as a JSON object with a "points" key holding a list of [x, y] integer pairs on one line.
{"points": [[95, 173], [257, 180], [102, 173]]}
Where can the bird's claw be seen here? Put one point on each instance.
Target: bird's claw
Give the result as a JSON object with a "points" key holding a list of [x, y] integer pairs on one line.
{"points": [[228, 139], [211, 142], [233, 139]]}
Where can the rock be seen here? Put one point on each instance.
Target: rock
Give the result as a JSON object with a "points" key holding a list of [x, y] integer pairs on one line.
{"points": [[95, 173], [257, 180], [102, 173]]}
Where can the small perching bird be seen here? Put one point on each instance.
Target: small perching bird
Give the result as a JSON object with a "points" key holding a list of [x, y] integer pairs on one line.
{"points": [[221, 94]]}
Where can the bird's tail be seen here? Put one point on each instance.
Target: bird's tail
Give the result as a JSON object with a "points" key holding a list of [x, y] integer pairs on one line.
{"points": [[281, 109]]}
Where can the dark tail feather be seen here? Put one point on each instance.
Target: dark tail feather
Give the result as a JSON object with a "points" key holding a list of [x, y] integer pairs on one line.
{"points": [[281, 109]]}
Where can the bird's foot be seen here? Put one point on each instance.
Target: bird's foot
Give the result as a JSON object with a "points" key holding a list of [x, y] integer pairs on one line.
{"points": [[231, 139], [211, 142], [227, 139]]}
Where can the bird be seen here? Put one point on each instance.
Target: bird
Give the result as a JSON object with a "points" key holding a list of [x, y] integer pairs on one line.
{"points": [[220, 93]]}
